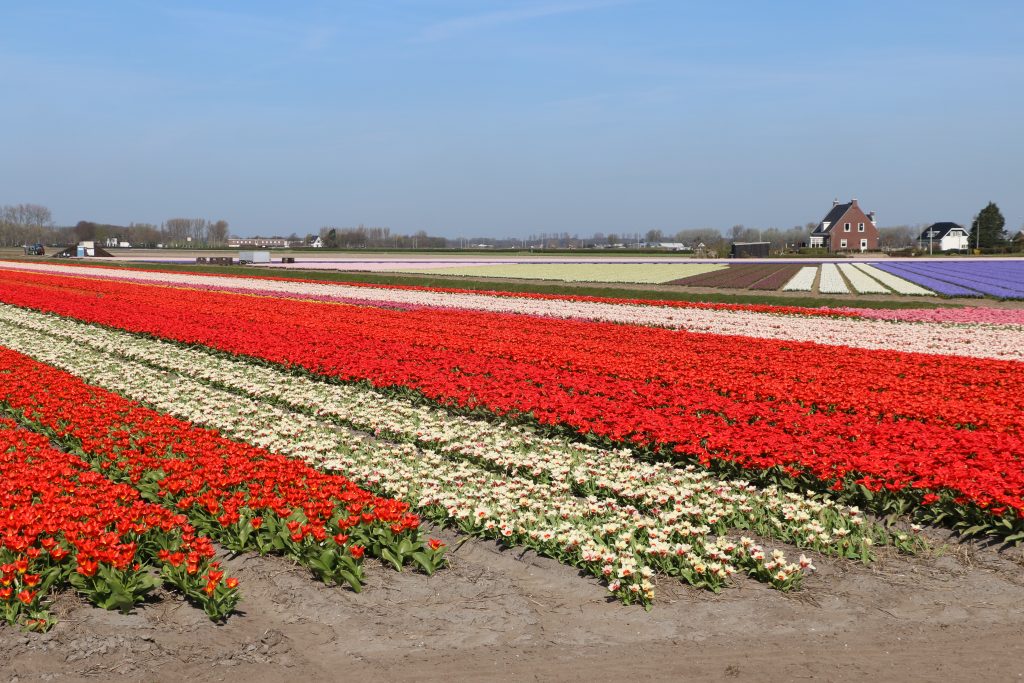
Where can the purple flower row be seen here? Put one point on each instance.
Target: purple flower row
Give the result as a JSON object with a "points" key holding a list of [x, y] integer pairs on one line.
{"points": [[1004, 279], [992, 278]]}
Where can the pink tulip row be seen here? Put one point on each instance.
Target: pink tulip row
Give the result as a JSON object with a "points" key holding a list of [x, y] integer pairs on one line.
{"points": [[994, 316]]}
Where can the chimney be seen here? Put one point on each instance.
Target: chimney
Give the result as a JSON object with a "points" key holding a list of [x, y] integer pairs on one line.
{"points": [[871, 217], [835, 202], [853, 201]]}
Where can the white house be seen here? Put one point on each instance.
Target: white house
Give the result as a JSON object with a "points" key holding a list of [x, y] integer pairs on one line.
{"points": [[944, 236]]}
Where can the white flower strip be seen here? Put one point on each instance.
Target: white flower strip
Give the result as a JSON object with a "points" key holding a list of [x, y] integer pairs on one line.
{"points": [[687, 501], [861, 282], [831, 281], [893, 282], [803, 281], [977, 341]]}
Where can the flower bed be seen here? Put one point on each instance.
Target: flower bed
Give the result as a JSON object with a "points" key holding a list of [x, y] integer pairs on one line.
{"points": [[989, 394], [63, 524], [967, 315], [242, 496], [803, 280], [739, 276], [896, 284], [777, 279], [861, 282], [595, 307], [573, 272], [831, 281], [481, 361], [494, 480], [36, 290], [956, 278]]}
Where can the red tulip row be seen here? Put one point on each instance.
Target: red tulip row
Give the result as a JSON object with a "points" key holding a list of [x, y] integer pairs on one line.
{"points": [[824, 414], [62, 523], [982, 393], [240, 495]]}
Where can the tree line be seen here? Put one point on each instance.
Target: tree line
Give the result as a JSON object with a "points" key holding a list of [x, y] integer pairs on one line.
{"points": [[362, 237], [31, 224]]}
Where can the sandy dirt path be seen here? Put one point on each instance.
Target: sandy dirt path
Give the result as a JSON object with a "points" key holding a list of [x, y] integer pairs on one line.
{"points": [[504, 615]]}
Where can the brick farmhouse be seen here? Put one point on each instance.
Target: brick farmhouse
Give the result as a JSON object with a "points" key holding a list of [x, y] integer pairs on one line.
{"points": [[846, 228]]}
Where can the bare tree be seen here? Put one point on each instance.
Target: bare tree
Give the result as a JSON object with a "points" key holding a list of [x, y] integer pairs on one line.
{"points": [[180, 231], [217, 233], [897, 237], [25, 223], [197, 230], [143, 234]]}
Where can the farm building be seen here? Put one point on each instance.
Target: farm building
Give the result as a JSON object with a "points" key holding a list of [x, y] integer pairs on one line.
{"points": [[749, 249], [944, 236], [846, 228]]}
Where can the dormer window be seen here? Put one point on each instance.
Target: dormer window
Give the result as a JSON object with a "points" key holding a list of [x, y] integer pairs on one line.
{"points": [[846, 228]]}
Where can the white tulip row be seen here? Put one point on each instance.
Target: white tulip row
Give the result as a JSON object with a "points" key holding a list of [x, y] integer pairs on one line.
{"points": [[831, 281], [893, 282], [860, 281], [803, 281]]}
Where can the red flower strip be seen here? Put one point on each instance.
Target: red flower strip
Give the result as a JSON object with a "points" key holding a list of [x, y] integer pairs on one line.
{"points": [[58, 518]]}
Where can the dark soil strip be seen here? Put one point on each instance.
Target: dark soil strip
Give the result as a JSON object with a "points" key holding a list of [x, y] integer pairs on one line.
{"points": [[739, 276], [778, 278]]}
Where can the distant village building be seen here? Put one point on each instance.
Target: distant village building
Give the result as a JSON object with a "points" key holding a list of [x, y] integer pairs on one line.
{"points": [[944, 236], [846, 228], [258, 242], [671, 246], [317, 243]]}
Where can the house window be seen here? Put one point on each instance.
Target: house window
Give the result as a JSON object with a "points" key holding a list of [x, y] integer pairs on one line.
{"points": [[842, 244], [860, 227], [863, 245], [846, 228]]}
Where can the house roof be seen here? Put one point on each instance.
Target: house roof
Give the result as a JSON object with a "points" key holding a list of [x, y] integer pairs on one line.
{"points": [[834, 217], [940, 230]]}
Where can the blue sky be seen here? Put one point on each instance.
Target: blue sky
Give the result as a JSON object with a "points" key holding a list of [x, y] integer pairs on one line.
{"points": [[512, 117]]}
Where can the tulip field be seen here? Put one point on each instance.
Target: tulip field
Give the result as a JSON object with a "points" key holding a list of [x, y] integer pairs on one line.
{"points": [[1000, 278], [152, 421]]}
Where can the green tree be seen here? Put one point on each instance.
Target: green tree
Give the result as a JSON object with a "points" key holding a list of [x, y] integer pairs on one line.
{"points": [[987, 228]]}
